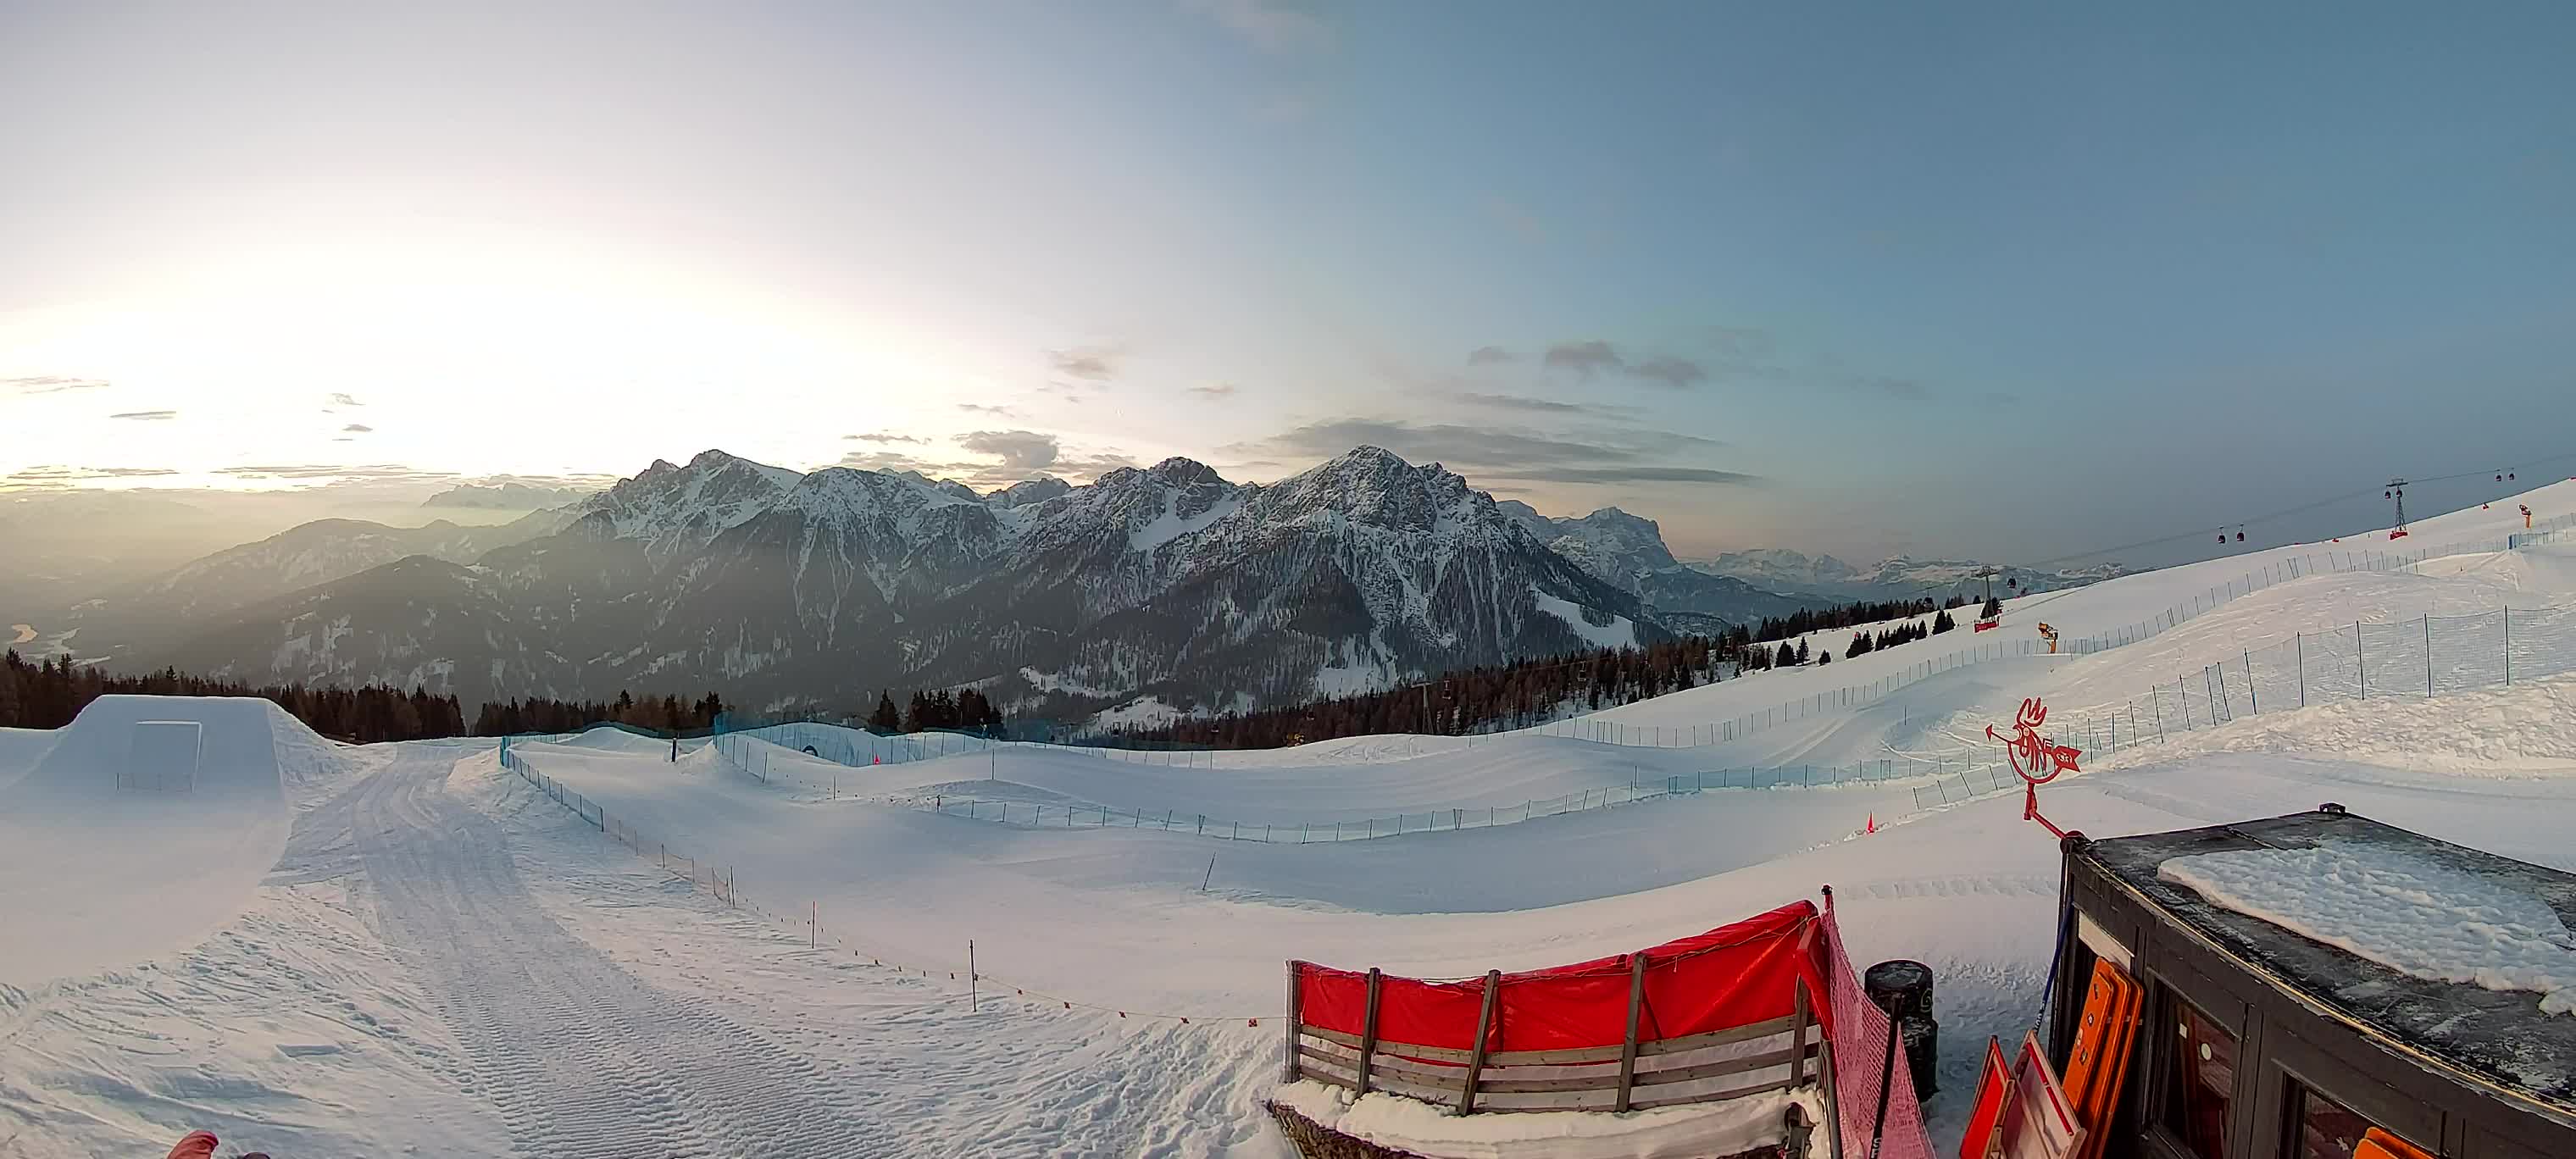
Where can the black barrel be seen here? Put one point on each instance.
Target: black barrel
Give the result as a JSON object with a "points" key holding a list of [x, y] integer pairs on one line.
{"points": [[1903, 988], [1900, 987]]}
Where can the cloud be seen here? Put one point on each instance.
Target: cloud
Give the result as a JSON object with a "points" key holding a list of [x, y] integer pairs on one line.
{"points": [[1089, 363], [146, 416], [1490, 356], [1268, 24], [358, 429], [985, 475], [1018, 450], [1678, 373], [1214, 390], [57, 476], [1583, 358], [1620, 456], [338, 399], [886, 437], [978, 409], [50, 384], [1629, 475], [1516, 402], [363, 472]]}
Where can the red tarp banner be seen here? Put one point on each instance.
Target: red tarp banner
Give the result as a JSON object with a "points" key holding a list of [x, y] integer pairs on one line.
{"points": [[1731, 976]]}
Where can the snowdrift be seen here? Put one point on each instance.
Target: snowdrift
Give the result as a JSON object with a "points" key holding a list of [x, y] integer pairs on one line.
{"points": [[95, 873]]}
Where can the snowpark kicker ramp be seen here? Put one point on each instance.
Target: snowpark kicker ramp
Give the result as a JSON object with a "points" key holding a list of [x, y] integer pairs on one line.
{"points": [[103, 863]]}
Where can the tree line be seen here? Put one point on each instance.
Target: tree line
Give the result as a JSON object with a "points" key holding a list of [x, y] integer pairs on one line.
{"points": [[540, 714], [1531, 692], [1517, 694], [50, 692], [964, 710]]}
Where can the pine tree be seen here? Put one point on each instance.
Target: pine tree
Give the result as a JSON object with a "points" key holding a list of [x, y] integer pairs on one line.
{"points": [[1802, 653], [1994, 608], [885, 719]]}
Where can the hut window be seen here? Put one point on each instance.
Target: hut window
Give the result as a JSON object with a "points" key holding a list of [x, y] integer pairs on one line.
{"points": [[2200, 1079], [2321, 1128]]}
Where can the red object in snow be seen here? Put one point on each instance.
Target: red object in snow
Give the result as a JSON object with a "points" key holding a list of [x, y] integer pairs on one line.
{"points": [[1734, 975], [1986, 1116], [1982, 625], [195, 1145], [2037, 759], [2397, 534]]}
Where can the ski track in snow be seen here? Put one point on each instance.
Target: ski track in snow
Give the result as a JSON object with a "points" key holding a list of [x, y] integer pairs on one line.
{"points": [[579, 1057]]}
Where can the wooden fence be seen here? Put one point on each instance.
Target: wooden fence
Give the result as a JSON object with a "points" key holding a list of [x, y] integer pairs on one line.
{"points": [[1635, 1074]]}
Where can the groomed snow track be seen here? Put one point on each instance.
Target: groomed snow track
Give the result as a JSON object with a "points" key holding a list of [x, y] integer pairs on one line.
{"points": [[580, 1057]]}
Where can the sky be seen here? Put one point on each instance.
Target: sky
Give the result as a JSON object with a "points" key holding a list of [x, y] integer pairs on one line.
{"points": [[2006, 281]]}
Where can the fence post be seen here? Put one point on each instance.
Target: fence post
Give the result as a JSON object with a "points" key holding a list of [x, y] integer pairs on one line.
{"points": [[2360, 661], [974, 989], [2300, 641], [1636, 1012], [2428, 655], [1296, 1012], [2184, 695], [2508, 645], [1368, 1031], [1484, 1029], [2252, 698]]}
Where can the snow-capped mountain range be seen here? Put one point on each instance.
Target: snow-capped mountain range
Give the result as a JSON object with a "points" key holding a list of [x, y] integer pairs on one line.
{"points": [[788, 590], [785, 589], [1894, 578]]}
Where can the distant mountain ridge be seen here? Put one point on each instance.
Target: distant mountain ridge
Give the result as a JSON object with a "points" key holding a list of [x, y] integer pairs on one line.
{"points": [[789, 589], [1167, 585], [508, 495]]}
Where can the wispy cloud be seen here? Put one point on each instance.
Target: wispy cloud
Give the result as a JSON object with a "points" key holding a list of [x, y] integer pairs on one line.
{"points": [[1625, 456], [55, 477], [338, 399], [980, 409], [1268, 24], [1089, 363], [50, 384], [145, 416], [886, 437], [1584, 358], [1214, 390], [1526, 404], [1678, 373], [1023, 455], [1490, 356], [365, 472], [1018, 450], [358, 429]]}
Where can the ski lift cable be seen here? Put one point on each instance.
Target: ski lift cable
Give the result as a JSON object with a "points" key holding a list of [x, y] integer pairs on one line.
{"points": [[2282, 513]]}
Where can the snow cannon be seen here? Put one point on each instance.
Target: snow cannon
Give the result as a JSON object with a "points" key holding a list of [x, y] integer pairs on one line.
{"points": [[1751, 1041], [2247, 990]]}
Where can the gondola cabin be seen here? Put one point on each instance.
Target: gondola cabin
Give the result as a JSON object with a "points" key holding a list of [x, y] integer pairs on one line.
{"points": [[2312, 986]]}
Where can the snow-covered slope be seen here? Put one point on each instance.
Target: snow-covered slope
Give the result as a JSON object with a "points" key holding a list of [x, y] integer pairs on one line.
{"points": [[441, 930], [107, 856]]}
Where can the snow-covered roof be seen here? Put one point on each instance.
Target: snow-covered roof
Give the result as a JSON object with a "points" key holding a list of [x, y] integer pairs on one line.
{"points": [[2505, 1029]]}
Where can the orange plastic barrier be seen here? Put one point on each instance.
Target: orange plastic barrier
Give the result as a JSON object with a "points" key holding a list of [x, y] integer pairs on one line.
{"points": [[2100, 1061], [2378, 1144]]}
